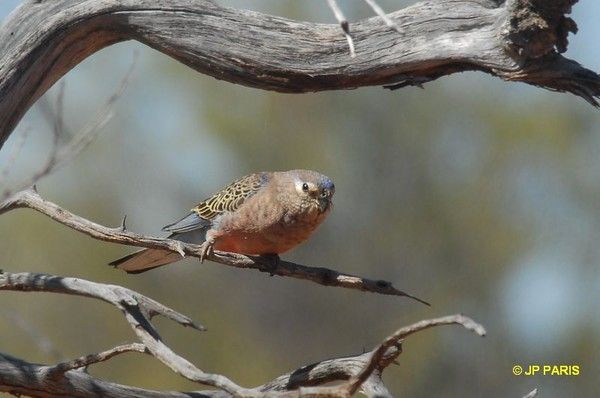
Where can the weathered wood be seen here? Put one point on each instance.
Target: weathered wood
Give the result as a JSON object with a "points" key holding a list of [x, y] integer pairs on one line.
{"points": [[323, 276], [358, 373], [516, 40], [19, 377], [36, 380]]}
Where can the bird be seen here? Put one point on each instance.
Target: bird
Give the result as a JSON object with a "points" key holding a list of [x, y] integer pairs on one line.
{"points": [[265, 213]]}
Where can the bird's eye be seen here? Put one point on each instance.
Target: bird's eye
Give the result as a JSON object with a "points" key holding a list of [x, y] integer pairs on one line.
{"points": [[323, 194], [305, 187]]}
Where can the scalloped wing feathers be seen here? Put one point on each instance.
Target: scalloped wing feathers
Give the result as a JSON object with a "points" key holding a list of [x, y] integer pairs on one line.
{"points": [[231, 197]]}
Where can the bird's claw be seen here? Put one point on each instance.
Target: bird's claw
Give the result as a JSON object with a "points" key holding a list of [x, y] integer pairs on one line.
{"points": [[272, 262], [207, 250]]}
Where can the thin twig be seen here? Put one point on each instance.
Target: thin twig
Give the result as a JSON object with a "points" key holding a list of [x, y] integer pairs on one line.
{"points": [[60, 156], [379, 353], [104, 114], [12, 157], [35, 336], [339, 15], [323, 276], [59, 119], [87, 360], [379, 11]]}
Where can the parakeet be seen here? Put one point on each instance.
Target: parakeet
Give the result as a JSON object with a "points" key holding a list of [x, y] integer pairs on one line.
{"points": [[265, 213]]}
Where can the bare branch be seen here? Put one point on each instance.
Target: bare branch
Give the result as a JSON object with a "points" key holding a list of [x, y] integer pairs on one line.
{"points": [[339, 15], [336, 370], [515, 40], [87, 360], [35, 335], [379, 11], [118, 296], [18, 377], [138, 310], [323, 276], [12, 157], [362, 371], [59, 117], [377, 359]]}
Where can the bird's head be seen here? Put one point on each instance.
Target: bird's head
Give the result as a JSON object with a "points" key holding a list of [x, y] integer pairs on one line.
{"points": [[314, 189]]}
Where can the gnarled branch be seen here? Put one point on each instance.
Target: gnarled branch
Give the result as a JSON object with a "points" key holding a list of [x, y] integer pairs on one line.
{"points": [[323, 276], [361, 372], [518, 40], [138, 310]]}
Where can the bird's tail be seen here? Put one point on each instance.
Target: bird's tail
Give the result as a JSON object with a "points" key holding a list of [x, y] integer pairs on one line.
{"points": [[145, 260]]}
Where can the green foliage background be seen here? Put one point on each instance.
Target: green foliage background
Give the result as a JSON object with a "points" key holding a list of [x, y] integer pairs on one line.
{"points": [[477, 195]]}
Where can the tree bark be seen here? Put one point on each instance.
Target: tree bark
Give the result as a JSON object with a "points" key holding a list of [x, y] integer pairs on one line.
{"points": [[19, 377], [516, 40], [358, 373], [321, 275]]}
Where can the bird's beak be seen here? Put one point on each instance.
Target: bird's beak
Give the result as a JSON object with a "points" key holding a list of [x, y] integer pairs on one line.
{"points": [[324, 205], [325, 201]]}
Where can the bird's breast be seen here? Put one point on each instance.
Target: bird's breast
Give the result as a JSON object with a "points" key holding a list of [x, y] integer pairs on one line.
{"points": [[266, 231]]}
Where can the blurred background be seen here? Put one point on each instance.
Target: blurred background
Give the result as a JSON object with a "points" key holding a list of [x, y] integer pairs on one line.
{"points": [[480, 196]]}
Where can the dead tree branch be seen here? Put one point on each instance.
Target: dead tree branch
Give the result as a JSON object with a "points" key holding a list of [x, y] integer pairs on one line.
{"points": [[378, 355], [360, 372], [87, 360], [19, 377], [138, 310], [516, 40], [323, 276]]}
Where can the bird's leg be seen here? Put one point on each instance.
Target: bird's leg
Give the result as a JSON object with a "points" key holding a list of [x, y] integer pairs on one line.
{"points": [[207, 249], [209, 244]]}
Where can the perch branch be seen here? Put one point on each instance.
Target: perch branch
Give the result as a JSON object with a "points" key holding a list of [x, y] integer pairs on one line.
{"points": [[323, 276], [356, 372], [516, 40]]}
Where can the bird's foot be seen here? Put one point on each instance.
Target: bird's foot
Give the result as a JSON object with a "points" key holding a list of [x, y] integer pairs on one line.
{"points": [[272, 262], [207, 249]]}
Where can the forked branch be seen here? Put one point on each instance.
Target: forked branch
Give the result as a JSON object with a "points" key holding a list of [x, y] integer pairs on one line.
{"points": [[355, 373]]}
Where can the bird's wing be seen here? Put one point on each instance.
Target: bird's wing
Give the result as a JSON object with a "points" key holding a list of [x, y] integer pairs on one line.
{"points": [[228, 199], [232, 196], [191, 222]]}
